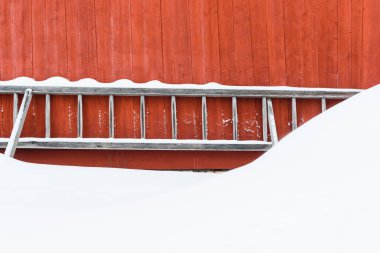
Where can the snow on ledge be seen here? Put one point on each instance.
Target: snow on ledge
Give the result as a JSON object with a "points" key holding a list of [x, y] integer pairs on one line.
{"points": [[155, 84]]}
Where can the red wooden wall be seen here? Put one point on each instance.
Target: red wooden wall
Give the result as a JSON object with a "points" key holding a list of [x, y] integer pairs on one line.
{"points": [[316, 43]]}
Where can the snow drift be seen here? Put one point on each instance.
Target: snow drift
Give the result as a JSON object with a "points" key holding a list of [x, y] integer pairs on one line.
{"points": [[48, 186], [316, 191]]}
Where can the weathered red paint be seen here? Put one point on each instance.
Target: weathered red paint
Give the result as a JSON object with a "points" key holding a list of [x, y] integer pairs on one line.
{"points": [[311, 43]]}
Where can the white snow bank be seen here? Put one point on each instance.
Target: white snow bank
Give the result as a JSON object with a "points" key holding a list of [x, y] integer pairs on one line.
{"points": [[47, 186], [316, 191]]}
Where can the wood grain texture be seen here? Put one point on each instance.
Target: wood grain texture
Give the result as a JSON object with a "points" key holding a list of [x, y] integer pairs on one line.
{"points": [[309, 42], [371, 40], [306, 43], [6, 67]]}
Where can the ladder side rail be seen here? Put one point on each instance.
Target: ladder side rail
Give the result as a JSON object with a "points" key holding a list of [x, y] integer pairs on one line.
{"points": [[47, 116], [174, 117], [111, 112], [80, 116], [323, 104], [272, 122], [139, 144], [19, 123], [265, 118], [142, 117], [294, 114], [15, 107], [178, 90]]}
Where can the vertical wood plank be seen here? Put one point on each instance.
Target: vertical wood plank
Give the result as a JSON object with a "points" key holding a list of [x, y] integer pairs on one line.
{"points": [[121, 39], [6, 67], [87, 39], [138, 40], [126, 121], [259, 39], [63, 121], [259, 42], [344, 43], [309, 42], [22, 37], [6, 46], [276, 42], [277, 58], [211, 40], [147, 63], [189, 109], [176, 41], [39, 27], [371, 39], [156, 28], [220, 111], [63, 116], [189, 118], [212, 59], [198, 61], [56, 48], [22, 42], [104, 35], [153, 40], [96, 116], [307, 108], [158, 117], [34, 125], [178, 62], [227, 41], [357, 43], [248, 114], [73, 40], [219, 118], [328, 43], [242, 43], [293, 42], [283, 53], [6, 115]]}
